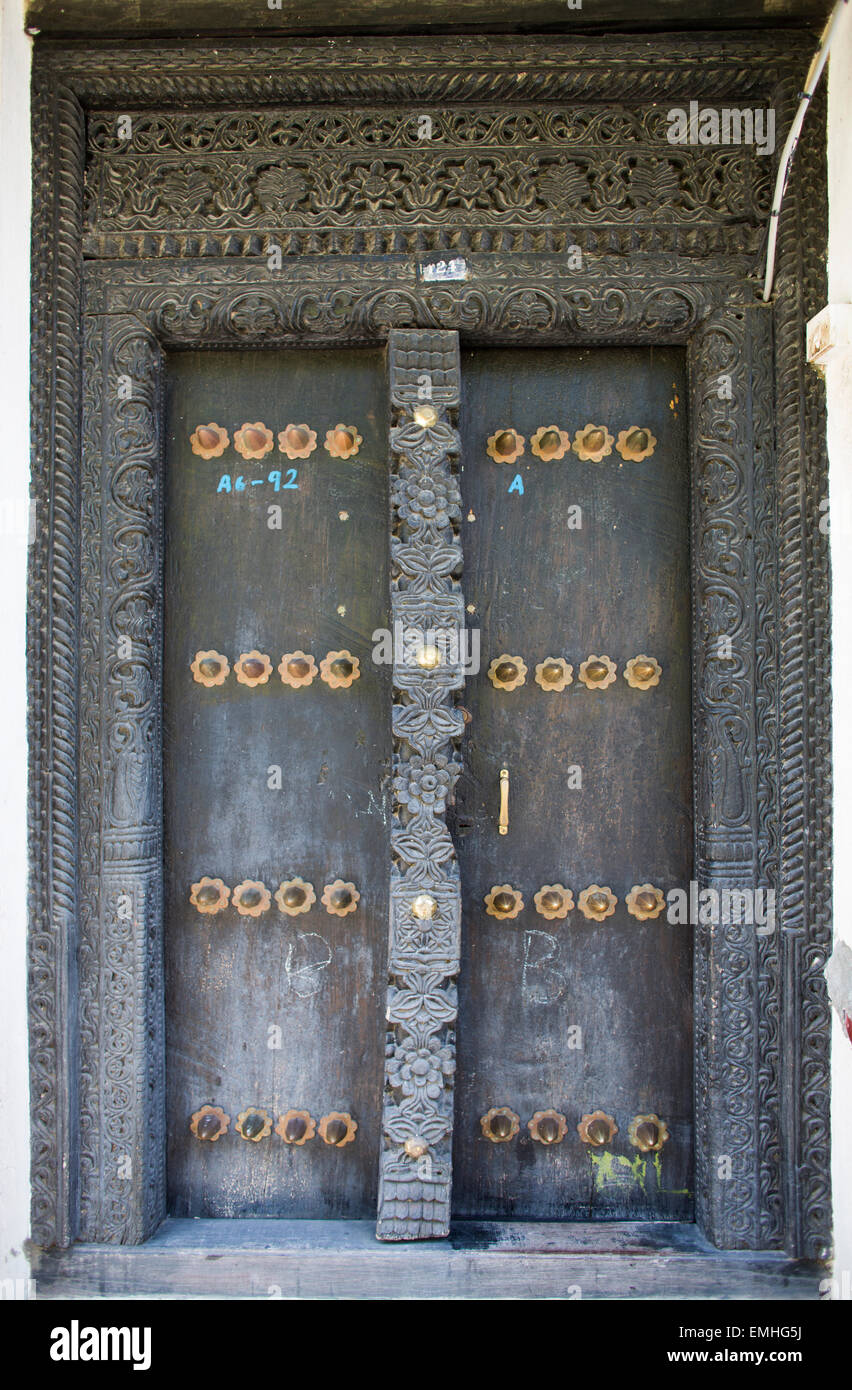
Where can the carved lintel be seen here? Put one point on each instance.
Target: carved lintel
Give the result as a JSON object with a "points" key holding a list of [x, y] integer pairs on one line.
{"points": [[415, 1178]]}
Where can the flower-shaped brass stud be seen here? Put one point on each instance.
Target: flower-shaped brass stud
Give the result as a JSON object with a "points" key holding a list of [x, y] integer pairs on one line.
{"points": [[340, 898], [593, 443], [297, 441], [597, 903], [597, 672], [644, 901], [209, 1123], [297, 669], [253, 668], [209, 668], [554, 900], [647, 1133], [337, 1128], [295, 896], [343, 441], [254, 1124], [503, 901], [209, 441], [550, 443], [251, 898], [253, 441], [548, 1126], [340, 669], [416, 1147], [296, 1127], [597, 1129], [643, 672], [505, 446], [507, 672], [210, 895], [554, 673], [500, 1124], [636, 443]]}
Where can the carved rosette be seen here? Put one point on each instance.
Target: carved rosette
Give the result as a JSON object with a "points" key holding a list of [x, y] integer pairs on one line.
{"points": [[414, 1191]]}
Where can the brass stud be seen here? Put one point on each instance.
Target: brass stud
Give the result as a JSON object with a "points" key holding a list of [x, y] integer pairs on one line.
{"points": [[548, 1127], [340, 898], [337, 1128], [253, 668], [550, 443], [597, 903], [424, 906], [251, 898], [503, 901], [209, 441], [294, 896], [297, 669], [593, 443], [505, 446], [209, 895], [554, 673], [500, 1124], [297, 441], [507, 672], [296, 1127], [254, 1124], [553, 900], [648, 1133], [425, 416], [343, 441], [253, 441], [428, 658], [644, 901], [636, 443], [643, 672], [597, 672], [597, 1129], [209, 668], [209, 1123], [416, 1147], [340, 669]]}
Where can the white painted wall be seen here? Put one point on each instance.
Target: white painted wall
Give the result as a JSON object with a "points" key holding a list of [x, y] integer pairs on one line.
{"points": [[14, 483], [839, 389], [14, 491]]}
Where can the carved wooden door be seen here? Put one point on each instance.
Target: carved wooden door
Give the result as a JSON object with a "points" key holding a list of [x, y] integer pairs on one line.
{"points": [[537, 812], [574, 1066], [277, 742]]}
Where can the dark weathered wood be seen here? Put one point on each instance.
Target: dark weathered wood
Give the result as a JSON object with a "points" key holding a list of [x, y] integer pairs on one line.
{"points": [[570, 1014], [342, 1259], [99, 17], [662, 264], [273, 782]]}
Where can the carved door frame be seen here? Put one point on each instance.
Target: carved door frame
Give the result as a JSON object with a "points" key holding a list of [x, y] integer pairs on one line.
{"points": [[137, 251]]}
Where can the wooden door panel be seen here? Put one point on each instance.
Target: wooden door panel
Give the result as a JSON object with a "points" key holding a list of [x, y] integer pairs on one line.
{"points": [[237, 986], [570, 1014]]}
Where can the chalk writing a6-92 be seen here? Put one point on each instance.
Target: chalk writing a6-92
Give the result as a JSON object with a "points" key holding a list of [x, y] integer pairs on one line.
{"points": [[240, 484]]}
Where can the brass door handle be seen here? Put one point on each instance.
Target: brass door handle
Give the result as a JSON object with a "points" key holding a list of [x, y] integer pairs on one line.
{"points": [[504, 801]]}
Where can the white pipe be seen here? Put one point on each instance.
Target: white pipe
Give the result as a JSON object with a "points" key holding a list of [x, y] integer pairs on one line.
{"points": [[814, 72]]}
